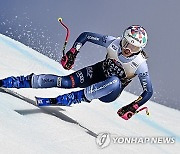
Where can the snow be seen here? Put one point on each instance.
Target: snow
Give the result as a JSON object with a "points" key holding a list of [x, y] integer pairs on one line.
{"points": [[25, 128]]}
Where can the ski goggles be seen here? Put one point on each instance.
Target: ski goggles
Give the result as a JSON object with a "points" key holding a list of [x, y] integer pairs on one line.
{"points": [[126, 45]]}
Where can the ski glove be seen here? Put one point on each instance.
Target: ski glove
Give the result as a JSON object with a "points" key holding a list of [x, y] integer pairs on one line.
{"points": [[128, 111], [67, 60]]}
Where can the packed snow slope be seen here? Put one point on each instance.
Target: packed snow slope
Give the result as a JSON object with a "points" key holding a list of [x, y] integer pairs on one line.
{"points": [[25, 128]]}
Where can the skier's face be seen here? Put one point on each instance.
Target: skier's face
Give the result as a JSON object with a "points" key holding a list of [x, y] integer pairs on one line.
{"points": [[128, 49], [126, 52]]}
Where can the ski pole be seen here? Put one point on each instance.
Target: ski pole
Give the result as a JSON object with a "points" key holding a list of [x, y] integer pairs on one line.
{"points": [[143, 108], [67, 35]]}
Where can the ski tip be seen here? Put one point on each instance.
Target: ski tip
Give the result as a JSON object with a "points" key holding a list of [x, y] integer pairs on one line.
{"points": [[60, 19]]}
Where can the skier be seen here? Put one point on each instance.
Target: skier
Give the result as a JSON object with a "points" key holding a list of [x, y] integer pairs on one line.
{"points": [[104, 80]]}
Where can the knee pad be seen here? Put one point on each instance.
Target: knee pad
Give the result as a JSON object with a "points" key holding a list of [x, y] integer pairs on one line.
{"points": [[67, 82]]}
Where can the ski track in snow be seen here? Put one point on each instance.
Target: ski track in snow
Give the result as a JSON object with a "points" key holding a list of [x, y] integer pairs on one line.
{"points": [[91, 119]]}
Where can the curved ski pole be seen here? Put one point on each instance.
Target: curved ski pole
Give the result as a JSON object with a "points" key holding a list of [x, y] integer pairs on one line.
{"points": [[67, 35], [143, 108]]}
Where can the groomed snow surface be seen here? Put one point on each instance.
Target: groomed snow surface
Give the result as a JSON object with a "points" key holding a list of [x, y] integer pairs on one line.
{"points": [[83, 128]]}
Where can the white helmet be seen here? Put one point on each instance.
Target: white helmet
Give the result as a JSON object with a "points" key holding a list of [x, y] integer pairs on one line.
{"points": [[136, 35]]}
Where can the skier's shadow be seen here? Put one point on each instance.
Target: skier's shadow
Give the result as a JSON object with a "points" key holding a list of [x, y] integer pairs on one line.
{"points": [[55, 111]]}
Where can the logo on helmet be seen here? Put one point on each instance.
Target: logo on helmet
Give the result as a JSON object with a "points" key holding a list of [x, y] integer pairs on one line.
{"points": [[135, 38], [137, 33]]}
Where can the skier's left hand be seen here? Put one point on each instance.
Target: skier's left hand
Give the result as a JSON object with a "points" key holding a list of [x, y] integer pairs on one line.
{"points": [[67, 61], [126, 112]]}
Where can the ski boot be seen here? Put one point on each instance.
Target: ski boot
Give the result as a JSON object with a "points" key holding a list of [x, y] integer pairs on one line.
{"points": [[45, 101], [17, 82], [128, 111], [64, 100], [1, 83]]}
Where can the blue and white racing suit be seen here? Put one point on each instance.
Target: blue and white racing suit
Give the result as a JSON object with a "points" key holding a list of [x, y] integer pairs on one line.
{"points": [[106, 79]]}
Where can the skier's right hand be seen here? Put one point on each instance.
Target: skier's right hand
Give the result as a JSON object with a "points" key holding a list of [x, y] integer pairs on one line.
{"points": [[67, 60]]}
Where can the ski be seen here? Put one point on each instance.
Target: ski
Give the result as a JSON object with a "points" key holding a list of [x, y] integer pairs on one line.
{"points": [[39, 101], [50, 111], [17, 95]]}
